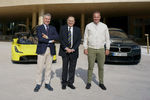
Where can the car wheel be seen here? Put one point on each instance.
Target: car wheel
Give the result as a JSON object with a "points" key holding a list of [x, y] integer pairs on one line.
{"points": [[14, 62]]}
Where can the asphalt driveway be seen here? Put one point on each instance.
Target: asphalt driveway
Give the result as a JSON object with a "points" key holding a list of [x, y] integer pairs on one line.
{"points": [[123, 82]]}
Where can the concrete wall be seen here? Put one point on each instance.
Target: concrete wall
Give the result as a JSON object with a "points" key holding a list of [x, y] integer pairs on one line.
{"points": [[5, 3]]}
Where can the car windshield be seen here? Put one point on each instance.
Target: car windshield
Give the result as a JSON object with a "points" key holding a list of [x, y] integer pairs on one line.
{"points": [[117, 34], [27, 39], [25, 36], [20, 28]]}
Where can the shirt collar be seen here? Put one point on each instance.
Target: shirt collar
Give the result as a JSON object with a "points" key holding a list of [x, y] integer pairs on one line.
{"points": [[97, 23], [70, 27], [45, 26]]}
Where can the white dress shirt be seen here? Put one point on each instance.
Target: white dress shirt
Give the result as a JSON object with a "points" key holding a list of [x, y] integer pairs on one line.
{"points": [[96, 35], [45, 27], [71, 35]]}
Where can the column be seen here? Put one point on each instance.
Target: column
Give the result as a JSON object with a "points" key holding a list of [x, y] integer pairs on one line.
{"points": [[34, 17], [104, 20], [41, 13], [82, 24], [27, 23], [4, 28]]}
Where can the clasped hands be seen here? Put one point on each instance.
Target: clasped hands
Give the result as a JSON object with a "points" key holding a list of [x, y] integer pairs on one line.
{"points": [[69, 50], [46, 37]]}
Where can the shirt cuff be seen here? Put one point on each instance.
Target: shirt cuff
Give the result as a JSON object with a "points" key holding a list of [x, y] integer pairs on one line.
{"points": [[50, 41], [107, 48], [66, 48], [85, 47], [73, 49]]}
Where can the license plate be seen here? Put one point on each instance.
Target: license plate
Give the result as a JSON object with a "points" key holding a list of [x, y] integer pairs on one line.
{"points": [[119, 54]]}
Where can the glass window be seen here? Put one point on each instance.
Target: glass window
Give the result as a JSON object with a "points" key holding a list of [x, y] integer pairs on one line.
{"points": [[138, 21], [138, 31], [117, 34]]}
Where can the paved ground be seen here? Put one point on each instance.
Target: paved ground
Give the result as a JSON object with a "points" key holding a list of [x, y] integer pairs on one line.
{"points": [[124, 82]]}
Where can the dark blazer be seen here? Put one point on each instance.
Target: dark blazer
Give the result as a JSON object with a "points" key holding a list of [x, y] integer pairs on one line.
{"points": [[43, 43], [63, 38]]}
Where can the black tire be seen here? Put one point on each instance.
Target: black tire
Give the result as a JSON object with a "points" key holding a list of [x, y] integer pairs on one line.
{"points": [[14, 62]]}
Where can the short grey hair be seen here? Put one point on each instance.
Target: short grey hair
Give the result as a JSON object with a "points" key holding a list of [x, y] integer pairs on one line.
{"points": [[47, 14]]}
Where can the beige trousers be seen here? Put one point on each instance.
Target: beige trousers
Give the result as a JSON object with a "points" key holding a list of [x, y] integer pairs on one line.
{"points": [[44, 60]]}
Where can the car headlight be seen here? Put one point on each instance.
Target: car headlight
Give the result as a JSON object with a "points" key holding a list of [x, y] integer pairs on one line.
{"points": [[111, 41], [17, 50], [136, 47]]}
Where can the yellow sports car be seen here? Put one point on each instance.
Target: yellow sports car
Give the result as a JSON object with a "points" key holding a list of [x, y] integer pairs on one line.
{"points": [[24, 46]]}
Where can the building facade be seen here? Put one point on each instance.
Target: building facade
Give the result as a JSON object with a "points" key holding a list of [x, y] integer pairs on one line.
{"points": [[133, 16]]}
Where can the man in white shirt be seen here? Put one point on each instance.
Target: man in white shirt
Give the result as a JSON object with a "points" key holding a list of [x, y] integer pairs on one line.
{"points": [[95, 37]]}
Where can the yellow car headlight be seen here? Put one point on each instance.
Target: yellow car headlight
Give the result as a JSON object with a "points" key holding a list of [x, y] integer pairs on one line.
{"points": [[17, 50]]}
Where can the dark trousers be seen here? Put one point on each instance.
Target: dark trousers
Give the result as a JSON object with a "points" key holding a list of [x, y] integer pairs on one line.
{"points": [[68, 70]]}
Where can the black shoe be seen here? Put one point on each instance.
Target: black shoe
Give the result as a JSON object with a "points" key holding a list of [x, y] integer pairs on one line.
{"points": [[88, 86], [37, 87], [63, 87], [102, 86], [54, 61], [71, 86], [47, 86]]}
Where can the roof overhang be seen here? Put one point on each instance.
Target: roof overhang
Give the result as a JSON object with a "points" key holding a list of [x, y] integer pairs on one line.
{"points": [[59, 10]]}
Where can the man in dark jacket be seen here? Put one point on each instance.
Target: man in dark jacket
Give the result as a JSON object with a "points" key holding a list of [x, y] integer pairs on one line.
{"points": [[47, 35], [70, 38]]}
